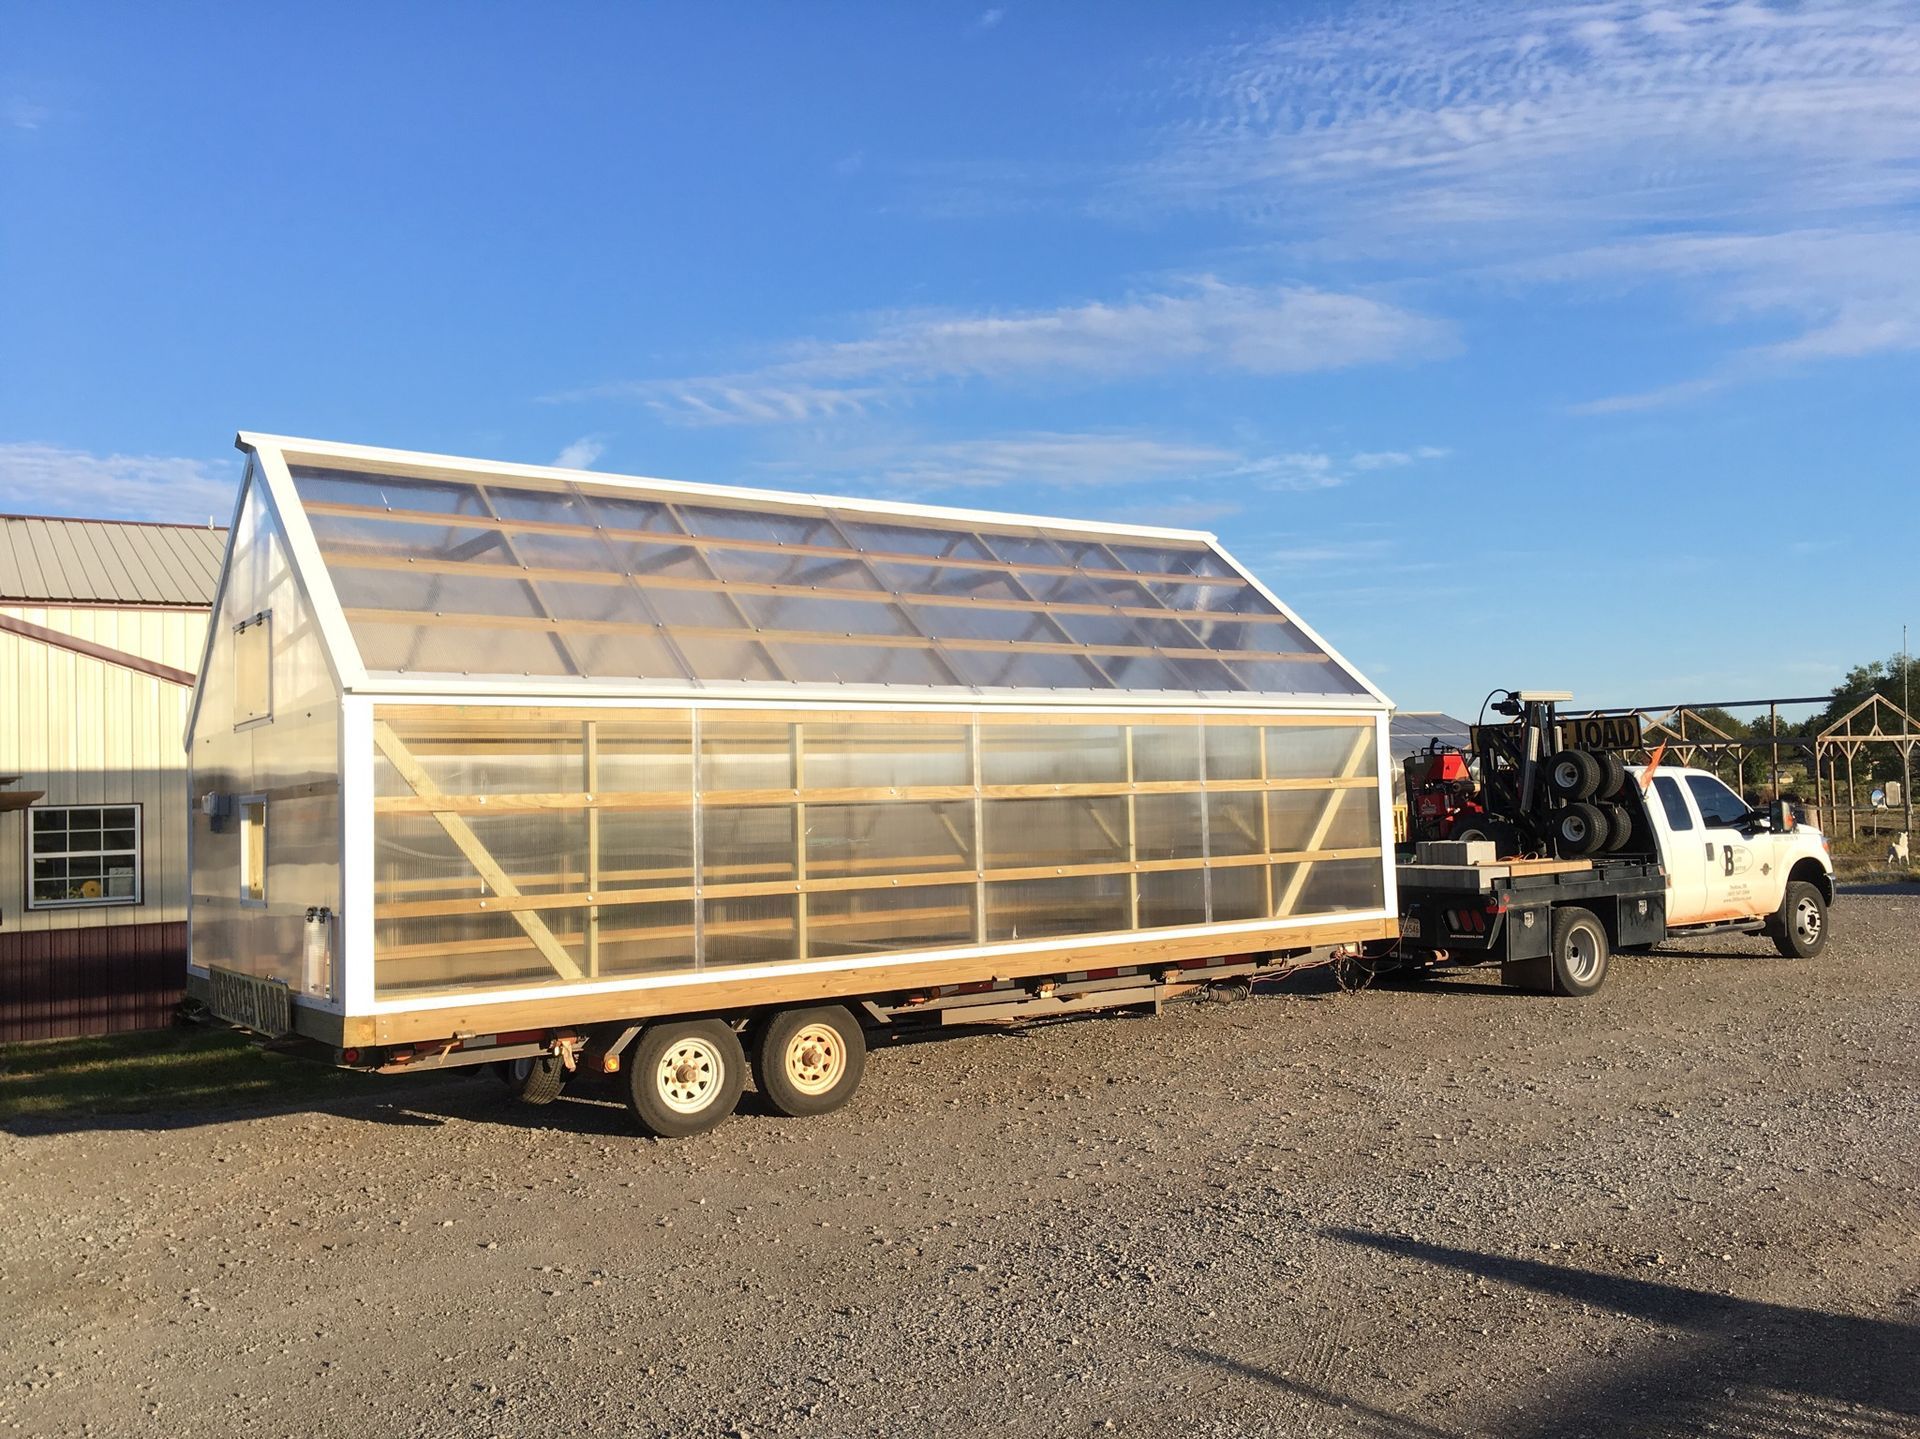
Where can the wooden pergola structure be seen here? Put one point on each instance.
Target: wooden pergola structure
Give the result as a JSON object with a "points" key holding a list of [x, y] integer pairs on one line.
{"points": [[1875, 722]]}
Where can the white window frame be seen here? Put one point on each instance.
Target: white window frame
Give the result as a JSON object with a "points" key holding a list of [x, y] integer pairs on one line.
{"points": [[241, 804], [263, 619], [138, 852]]}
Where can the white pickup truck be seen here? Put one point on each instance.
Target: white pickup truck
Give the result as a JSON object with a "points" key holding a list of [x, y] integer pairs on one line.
{"points": [[1697, 859]]}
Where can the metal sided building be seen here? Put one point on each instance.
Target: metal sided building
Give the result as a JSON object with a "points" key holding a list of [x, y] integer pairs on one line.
{"points": [[483, 747], [101, 623]]}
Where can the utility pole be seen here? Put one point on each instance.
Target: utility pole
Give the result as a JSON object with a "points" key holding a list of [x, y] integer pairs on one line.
{"points": [[1906, 724]]}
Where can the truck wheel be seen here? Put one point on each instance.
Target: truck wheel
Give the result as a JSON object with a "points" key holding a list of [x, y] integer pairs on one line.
{"points": [[1613, 774], [1619, 826], [1573, 774], [685, 1076], [809, 1061], [537, 1080], [1582, 829], [1578, 952], [1799, 930]]}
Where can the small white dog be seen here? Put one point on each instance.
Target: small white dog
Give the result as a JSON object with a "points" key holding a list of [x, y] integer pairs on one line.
{"points": [[1898, 852]]}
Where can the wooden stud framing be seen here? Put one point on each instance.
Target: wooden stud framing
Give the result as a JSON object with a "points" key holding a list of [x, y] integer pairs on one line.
{"points": [[1363, 745], [461, 833], [688, 539]]}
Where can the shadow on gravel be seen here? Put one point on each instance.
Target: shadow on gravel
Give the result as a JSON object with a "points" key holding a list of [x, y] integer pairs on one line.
{"points": [[1361, 1418], [1756, 1368]]}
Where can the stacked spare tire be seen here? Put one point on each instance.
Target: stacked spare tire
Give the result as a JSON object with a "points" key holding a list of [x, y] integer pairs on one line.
{"points": [[1593, 817]]}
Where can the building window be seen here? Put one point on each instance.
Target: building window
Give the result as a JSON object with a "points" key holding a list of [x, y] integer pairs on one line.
{"points": [[253, 670], [253, 850], [79, 855]]}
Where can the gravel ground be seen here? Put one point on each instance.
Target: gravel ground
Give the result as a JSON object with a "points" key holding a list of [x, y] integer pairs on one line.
{"points": [[1686, 1205]]}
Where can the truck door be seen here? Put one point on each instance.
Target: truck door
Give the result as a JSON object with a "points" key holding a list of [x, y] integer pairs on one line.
{"points": [[1685, 849], [1734, 877]]}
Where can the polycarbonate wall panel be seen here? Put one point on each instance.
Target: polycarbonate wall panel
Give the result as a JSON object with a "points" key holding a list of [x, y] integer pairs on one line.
{"points": [[287, 757], [500, 575], [523, 847]]}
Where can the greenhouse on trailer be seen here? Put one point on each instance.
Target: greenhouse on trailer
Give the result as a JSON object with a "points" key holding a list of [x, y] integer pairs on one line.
{"points": [[483, 747]]}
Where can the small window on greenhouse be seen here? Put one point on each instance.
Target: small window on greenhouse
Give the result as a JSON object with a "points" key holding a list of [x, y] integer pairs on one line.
{"points": [[253, 670], [253, 850], [83, 855]]}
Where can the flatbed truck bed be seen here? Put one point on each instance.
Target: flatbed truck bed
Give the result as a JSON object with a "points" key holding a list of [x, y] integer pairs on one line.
{"points": [[1549, 924]]}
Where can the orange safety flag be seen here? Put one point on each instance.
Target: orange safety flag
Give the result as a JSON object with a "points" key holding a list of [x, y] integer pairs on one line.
{"points": [[1653, 763]]}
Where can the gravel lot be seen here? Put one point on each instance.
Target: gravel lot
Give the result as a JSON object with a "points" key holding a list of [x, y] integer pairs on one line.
{"points": [[1684, 1206]]}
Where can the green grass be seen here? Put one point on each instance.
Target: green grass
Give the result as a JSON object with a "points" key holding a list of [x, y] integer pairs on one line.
{"points": [[158, 1070]]}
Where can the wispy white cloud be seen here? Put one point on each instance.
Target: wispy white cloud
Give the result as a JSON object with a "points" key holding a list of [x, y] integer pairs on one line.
{"points": [[1205, 325], [1193, 475], [1762, 159], [23, 114], [989, 19], [52, 479], [581, 453], [1426, 122]]}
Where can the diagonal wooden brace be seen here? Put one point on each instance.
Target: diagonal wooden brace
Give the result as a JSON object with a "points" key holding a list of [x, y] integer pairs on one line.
{"points": [[1363, 740], [461, 833]]}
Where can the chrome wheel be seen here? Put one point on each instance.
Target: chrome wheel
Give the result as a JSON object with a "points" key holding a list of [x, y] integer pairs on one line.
{"points": [[689, 1075], [815, 1059]]}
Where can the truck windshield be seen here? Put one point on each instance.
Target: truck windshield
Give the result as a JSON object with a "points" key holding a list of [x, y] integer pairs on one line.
{"points": [[1673, 802], [1720, 807]]}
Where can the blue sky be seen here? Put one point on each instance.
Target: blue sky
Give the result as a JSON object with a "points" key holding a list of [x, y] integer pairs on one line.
{"points": [[1570, 346]]}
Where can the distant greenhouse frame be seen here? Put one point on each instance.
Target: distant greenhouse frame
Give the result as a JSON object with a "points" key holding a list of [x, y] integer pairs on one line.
{"points": [[477, 742]]}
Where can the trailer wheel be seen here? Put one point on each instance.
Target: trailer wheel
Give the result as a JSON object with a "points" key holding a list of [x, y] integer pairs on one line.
{"points": [[1578, 952], [535, 1080], [1799, 929], [1573, 774], [685, 1076], [1582, 828], [809, 1061], [1619, 826], [1613, 774]]}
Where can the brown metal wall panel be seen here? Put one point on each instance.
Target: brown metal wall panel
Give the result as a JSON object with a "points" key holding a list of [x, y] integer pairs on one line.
{"points": [[59, 984]]}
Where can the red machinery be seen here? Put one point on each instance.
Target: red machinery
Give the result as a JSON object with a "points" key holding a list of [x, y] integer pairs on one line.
{"points": [[1441, 794]]}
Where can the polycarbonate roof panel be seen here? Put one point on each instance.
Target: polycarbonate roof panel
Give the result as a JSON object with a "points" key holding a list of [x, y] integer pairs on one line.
{"points": [[512, 575]]}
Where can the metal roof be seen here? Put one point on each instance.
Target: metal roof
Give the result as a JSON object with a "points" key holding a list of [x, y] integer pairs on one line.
{"points": [[1411, 730], [48, 560]]}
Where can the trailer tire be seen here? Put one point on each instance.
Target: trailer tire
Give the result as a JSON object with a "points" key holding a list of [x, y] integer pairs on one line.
{"points": [[1799, 929], [1619, 826], [809, 1061], [1581, 828], [535, 1080], [685, 1076], [1613, 774], [1577, 952], [1573, 774]]}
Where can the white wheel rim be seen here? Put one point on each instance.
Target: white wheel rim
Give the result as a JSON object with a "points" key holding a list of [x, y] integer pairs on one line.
{"points": [[1567, 775], [1806, 920], [522, 1070], [1583, 955], [816, 1057], [689, 1075], [1573, 829]]}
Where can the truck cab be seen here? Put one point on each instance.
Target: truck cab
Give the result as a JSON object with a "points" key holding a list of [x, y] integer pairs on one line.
{"points": [[1729, 865]]}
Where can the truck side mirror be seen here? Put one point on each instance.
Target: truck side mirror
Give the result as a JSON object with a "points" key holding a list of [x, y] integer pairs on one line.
{"points": [[1780, 816]]}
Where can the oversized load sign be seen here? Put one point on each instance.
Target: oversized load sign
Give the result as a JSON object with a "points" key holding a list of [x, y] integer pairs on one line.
{"points": [[1597, 732]]}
